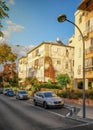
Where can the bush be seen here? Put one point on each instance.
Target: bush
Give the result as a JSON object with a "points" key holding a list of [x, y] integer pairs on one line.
{"points": [[71, 94], [6, 85], [89, 94], [49, 85]]}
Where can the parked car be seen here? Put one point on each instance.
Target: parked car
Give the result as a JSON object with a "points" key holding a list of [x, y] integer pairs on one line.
{"points": [[10, 93], [47, 99], [22, 94], [5, 90]]}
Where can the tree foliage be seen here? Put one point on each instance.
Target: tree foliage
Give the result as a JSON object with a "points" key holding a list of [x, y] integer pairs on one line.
{"points": [[63, 80], [6, 54], [3, 13]]}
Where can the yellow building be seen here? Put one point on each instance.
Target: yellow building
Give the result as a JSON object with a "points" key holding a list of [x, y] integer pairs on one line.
{"points": [[84, 20], [76, 41], [87, 7], [48, 59], [22, 69]]}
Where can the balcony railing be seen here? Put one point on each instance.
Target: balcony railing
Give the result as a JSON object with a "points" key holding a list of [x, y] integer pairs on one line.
{"points": [[88, 68], [88, 30], [89, 50]]}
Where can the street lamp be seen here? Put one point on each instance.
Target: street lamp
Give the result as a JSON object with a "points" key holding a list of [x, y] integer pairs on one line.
{"points": [[62, 18]]}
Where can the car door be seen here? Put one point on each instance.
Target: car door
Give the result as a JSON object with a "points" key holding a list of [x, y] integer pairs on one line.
{"points": [[40, 99]]}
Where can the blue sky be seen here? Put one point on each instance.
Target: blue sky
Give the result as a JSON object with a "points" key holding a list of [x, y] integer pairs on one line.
{"points": [[31, 22]]}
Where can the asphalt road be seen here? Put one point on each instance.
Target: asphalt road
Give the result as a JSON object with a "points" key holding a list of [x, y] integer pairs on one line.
{"points": [[23, 115]]}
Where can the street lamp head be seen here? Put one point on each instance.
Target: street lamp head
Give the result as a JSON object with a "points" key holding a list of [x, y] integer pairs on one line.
{"points": [[61, 18]]}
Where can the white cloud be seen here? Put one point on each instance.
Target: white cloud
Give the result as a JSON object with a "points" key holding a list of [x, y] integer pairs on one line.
{"points": [[12, 2], [11, 28]]}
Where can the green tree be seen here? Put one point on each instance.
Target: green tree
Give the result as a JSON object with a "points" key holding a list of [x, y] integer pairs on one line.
{"points": [[62, 80], [14, 81], [33, 81], [6, 54], [3, 13]]}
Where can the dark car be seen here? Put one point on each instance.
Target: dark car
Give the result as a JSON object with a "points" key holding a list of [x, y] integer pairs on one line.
{"points": [[5, 90], [48, 99], [22, 94], [10, 93]]}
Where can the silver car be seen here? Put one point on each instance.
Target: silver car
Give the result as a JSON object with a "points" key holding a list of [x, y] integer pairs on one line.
{"points": [[47, 99], [22, 94]]}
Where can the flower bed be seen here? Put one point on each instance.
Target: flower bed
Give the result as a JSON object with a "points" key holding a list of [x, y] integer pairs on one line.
{"points": [[88, 102]]}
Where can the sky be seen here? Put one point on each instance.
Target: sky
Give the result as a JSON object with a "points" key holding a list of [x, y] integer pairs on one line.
{"points": [[31, 22]]}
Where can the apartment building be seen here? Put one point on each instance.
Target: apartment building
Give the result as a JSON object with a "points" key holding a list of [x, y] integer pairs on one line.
{"points": [[77, 42], [87, 7], [84, 20], [48, 59], [22, 69]]}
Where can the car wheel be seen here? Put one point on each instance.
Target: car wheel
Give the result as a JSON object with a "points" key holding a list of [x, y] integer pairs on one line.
{"points": [[45, 105], [16, 97], [35, 103]]}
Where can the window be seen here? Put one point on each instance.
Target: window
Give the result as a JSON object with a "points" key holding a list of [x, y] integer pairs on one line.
{"points": [[80, 19], [67, 53], [58, 62], [66, 66], [89, 62], [37, 52], [88, 24], [91, 41]]}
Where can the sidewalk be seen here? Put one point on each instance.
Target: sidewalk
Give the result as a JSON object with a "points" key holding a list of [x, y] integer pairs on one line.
{"points": [[88, 112], [79, 111]]}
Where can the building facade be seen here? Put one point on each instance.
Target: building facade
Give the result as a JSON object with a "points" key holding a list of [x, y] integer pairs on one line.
{"points": [[49, 59], [87, 7], [22, 69], [84, 20]]}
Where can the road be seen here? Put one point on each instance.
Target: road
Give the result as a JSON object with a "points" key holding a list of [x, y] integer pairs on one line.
{"points": [[23, 115]]}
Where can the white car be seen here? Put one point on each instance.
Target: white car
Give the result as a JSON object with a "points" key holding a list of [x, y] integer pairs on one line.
{"points": [[47, 99], [21, 94]]}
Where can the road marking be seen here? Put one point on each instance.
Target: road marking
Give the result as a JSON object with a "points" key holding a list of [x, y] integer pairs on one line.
{"points": [[55, 113]]}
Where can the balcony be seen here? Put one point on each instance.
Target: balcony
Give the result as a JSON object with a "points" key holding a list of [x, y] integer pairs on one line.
{"points": [[89, 50], [87, 31], [86, 5], [89, 68]]}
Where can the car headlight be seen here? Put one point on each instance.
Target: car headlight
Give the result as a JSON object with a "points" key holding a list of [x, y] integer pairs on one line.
{"points": [[50, 103], [62, 102]]}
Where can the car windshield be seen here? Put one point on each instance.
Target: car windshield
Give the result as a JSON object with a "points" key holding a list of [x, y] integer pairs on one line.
{"points": [[23, 92], [50, 94], [10, 91]]}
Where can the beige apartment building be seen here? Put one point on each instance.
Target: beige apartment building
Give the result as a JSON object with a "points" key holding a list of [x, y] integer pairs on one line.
{"points": [[47, 60], [22, 69], [84, 20], [87, 7]]}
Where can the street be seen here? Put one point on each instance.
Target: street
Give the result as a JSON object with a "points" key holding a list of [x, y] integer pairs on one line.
{"points": [[23, 115]]}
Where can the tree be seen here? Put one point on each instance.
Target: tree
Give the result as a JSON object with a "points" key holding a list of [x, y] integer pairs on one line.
{"points": [[62, 80], [7, 58], [3, 13], [6, 54]]}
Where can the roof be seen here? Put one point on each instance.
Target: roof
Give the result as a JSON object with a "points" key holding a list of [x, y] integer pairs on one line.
{"points": [[86, 5], [51, 43]]}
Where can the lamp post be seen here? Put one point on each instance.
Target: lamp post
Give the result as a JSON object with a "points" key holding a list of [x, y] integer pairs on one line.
{"points": [[62, 18]]}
